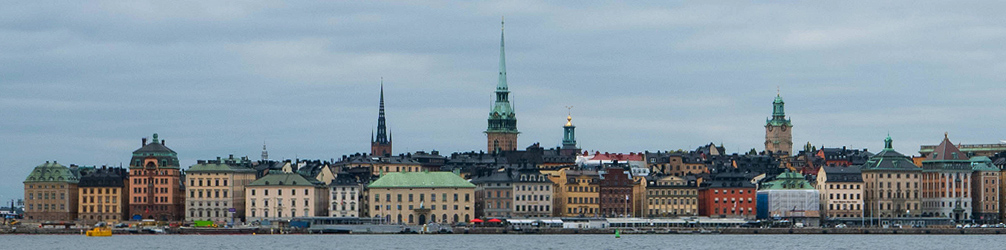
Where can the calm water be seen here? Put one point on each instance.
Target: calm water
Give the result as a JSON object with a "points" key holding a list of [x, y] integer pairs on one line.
{"points": [[293, 242]]}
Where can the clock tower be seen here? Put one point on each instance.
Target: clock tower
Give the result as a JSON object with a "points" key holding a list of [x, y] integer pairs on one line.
{"points": [[778, 129]]}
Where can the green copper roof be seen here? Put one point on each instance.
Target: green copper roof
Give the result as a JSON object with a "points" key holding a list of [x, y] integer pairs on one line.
{"points": [[502, 118], [778, 114], [787, 181], [52, 172], [982, 163], [889, 160], [421, 180], [284, 179]]}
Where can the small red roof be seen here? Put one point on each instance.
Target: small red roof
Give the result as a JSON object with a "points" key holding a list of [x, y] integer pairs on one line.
{"points": [[494, 220], [477, 220]]}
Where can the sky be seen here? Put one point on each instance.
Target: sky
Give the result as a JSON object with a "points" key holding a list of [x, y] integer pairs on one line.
{"points": [[83, 82]]}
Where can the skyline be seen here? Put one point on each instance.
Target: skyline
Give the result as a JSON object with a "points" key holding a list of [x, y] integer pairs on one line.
{"points": [[217, 79]]}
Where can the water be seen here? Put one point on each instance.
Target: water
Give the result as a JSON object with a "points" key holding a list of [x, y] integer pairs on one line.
{"points": [[297, 242]]}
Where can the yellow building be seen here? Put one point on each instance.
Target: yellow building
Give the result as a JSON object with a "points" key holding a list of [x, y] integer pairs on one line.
{"points": [[101, 196], [418, 198], [283, 196], [580, 193], [217, 186], [671, 196]]}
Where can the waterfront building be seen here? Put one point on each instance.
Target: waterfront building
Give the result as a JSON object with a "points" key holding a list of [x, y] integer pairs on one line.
{"points": [[616, 192], [985, 190], [532, 193], [841, 192], [381, 145], [891, 183], [778, 130], [946, 183], [102, 196], [727, 194], [216, 190], [671, 196], [494, 194], [50, 193], [283, 196], [580, 192], [789, 196], [155, 183], [417, 198], [989, 149], [346, 195], [501, 135]]}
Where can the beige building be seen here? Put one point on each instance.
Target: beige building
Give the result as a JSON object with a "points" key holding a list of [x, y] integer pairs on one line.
{"points": [[215, 187], [671, 196], [417, 198], [50, 193], [891, 185], [102, 196], [283, 196], [841, 192]]}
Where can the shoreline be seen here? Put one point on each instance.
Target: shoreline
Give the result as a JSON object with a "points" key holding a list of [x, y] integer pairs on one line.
{"points": [[548, 231]]}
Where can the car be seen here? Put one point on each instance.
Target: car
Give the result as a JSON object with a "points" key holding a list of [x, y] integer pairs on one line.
{"points": [[121, 225], [840, 226]]}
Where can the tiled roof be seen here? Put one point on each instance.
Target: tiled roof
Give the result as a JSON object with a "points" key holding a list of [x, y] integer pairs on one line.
{"points": [[421, 180], [946, 151], [51, 172]]}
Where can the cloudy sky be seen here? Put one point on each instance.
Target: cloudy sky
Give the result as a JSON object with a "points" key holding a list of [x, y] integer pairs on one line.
{"points": [[82, 83]]}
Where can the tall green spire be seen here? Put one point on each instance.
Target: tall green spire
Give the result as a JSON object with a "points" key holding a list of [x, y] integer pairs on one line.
{"points": [[778, 113], [501, 85], [502, 117]]}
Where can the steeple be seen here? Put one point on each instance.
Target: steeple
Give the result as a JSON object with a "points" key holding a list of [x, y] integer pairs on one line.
{"points": [[380, 145], [502, 130], [568, 133], [265, 154]]}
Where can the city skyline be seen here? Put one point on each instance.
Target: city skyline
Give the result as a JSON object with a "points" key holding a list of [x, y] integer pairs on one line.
{"points": [[84, 90]]}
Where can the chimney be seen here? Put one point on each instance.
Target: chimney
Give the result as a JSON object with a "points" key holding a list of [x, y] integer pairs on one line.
{"points": [[162, 142], [144, 141]]}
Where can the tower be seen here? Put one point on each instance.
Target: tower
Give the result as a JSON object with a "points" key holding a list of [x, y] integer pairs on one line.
{"points": [[778, 129], [501, 135], [265, 154], [569, 137], [381, 145]]}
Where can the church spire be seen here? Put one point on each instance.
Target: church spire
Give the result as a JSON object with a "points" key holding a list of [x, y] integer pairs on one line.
{"points": [[501, 85], [380, 145], [502, 130]]}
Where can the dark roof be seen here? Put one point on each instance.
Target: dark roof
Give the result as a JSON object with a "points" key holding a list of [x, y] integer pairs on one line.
{"points": [[843, 174], [104, 177], [154, 147], [889, 160], [946, 151]]}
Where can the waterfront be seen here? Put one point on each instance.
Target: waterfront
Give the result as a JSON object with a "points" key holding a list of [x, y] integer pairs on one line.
{"points": [[499, 241]]}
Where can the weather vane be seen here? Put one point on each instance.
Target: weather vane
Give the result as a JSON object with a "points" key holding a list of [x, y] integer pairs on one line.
{"points": [[569, 110]]}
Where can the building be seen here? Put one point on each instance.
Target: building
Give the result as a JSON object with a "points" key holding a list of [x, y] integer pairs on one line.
{"points": [[841, 192], [616, 186], [969, 149], [891, 183], [789, 196], [102, 196], [501, 135], [946, 182], [50, 193], [569, 138], [727, 194], [346, 193], [671, 196], [216, 190], [283, 196], [985, 191], [155, 183], [381, 145], [532, 193], [418, 198], [778, 130], [580, 193], [494, 194], [380, 164]]}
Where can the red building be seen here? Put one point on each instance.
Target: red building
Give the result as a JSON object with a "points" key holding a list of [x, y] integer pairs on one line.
{"points": [[616, 192], [727, 195]]}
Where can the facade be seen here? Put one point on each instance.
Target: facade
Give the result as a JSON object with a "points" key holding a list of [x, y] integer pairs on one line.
{"points": [[671, 196], [418, 198], [946, 183], [346, 196], [789, 196], [891, 183], [381, 146], [615, 192], [778, 130], [985, 191], [532, 194], [727, 195], [50, 193], [216, 190], [675, 163], [155, 183], [493, 195], [283, 196], [580, 192], [841, 192], [102, 196], [501, 135]]}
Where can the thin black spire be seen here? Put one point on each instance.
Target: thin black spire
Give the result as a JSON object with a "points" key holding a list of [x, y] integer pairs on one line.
{"points": [[382, 134]]}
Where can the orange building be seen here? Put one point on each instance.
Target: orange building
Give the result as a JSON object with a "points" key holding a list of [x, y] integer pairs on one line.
{"points": [[727, 195], [156, 190]]}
